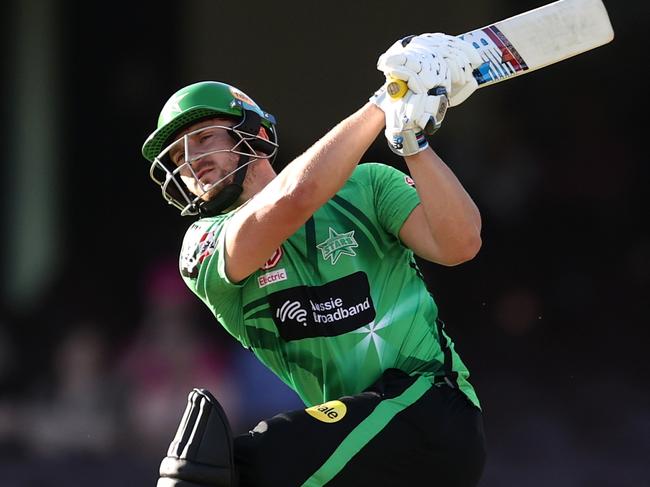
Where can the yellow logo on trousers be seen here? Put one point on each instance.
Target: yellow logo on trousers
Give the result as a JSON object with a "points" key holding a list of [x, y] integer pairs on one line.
{"points": [[329, 412]]}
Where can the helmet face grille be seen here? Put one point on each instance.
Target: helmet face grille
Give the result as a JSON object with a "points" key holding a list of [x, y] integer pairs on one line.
{"points": [[168, 176], [184, 119]]}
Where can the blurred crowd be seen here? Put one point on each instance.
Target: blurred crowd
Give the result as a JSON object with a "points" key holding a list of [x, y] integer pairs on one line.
{"points": [[103, 411]]}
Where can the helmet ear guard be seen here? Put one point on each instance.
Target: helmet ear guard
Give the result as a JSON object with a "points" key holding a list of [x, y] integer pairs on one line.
{"points": [[250, 125]]}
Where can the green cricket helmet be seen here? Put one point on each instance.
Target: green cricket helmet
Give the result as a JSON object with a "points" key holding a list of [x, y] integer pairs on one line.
{"points": [[195, 103]]}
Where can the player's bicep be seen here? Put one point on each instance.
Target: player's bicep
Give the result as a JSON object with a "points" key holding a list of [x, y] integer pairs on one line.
{"points": [[416, 235], [257, 229]]}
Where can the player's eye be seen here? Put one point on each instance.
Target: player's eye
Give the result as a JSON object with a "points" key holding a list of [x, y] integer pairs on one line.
{"points": [[178, 158], [205, 136]]}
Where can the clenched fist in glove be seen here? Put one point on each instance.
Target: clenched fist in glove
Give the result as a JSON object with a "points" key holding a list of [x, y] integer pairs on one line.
{"points": [[421, 69], [460, 56]]}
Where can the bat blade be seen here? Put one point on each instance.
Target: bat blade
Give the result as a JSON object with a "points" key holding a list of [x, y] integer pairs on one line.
{"points": [[538, 38], [534, 39]]}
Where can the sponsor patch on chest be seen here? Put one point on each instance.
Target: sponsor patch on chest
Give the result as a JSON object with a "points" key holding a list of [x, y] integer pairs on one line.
{"points": [[272, 277], [195, 251], [335, 308]]}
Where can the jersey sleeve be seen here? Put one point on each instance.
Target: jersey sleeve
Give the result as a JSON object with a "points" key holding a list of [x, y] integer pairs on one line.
{"points": [[394, 193], [203, 268]]}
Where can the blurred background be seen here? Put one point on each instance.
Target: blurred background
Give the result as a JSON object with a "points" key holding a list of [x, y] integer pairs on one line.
{"points": [[100, 341]]}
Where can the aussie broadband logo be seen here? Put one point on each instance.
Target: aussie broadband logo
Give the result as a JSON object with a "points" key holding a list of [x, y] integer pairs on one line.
{"points": [[327, 312], [332, 309], [292, 310]]}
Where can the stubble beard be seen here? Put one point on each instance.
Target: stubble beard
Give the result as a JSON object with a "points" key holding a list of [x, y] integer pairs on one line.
{"points": [[216, 189]]}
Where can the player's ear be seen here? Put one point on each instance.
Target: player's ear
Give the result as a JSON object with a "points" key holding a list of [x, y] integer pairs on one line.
{"points": [[262, 133]]}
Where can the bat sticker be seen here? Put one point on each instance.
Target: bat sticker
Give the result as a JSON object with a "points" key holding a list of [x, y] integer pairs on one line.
{"points": [[501, 58]]}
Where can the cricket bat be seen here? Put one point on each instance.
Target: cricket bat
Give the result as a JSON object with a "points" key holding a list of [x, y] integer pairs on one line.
{"points": [[532, 40]]}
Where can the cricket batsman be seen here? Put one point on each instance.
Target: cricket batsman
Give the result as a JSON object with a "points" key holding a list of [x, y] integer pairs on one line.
{"points": [[312, 269]]}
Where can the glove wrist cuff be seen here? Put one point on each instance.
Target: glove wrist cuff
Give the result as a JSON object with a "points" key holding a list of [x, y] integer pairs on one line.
{"points": [[379, 98], [407, 142]]}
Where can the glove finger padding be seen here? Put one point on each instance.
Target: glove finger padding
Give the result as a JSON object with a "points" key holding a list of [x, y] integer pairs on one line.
{"points": [[472, 54], [389, 61], [424, 44], [422, 109], [420, 69], [414, 63], [461, 59], [415, 83], [434, 73], [415, 110], [445, 43], [458, 61], [396, 48]]}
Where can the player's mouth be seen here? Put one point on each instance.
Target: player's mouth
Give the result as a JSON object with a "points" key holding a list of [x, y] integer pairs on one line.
{"points": [[201, 174]]}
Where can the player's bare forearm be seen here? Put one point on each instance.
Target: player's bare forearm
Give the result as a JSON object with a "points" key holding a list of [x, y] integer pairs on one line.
{"points": [[446, 227], [302, 187], [316, 175], [323, 169]]}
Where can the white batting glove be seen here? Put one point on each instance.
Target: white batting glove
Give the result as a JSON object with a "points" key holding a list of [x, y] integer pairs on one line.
{"points": [[407, 117], [421, 69], [462, 59]]}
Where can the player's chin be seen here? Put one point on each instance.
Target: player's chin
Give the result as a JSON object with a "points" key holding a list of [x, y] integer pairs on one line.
{"points": [[210, 191]]}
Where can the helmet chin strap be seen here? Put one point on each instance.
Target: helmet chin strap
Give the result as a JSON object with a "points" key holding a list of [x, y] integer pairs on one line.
{"points": [[227, 197]]}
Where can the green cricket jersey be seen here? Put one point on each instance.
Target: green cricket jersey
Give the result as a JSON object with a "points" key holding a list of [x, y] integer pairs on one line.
{"points": [[340, 301]]}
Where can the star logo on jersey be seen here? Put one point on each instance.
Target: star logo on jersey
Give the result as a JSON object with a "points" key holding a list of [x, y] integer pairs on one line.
{"points": [[338, 244]]}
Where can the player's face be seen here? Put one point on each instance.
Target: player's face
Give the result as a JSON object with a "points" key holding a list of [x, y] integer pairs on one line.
{"points": [[202, 152]]}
